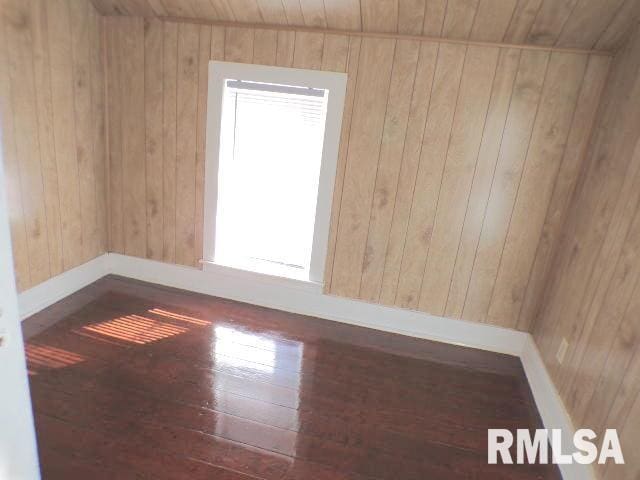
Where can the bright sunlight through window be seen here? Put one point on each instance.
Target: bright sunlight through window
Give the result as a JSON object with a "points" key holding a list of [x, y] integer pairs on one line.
{"points": [[272, 148], [270, 154]]}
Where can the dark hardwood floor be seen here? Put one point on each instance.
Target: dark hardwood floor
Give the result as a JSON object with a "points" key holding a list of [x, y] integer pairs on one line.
{"points": [[132, 380]]}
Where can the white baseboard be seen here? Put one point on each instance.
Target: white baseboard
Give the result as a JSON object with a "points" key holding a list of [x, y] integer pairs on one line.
{"points": [[551, 408], [308, 299], [56, 288]]}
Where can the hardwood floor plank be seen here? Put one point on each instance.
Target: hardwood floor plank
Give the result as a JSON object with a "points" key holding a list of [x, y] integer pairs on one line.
{"points": [[131, 380]]}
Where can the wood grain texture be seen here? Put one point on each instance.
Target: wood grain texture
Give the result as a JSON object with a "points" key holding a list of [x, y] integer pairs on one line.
{"points": [[544, 156], [516, 135], [369, 111], [152, 382], [585, 24], [420, 101], [53, 134], [460, 165], [153, 136], [593, 289], [186, 140], [79, 20], [169, 120], [441, 150], [134, 208], [25, 119], [353, 61], [501, 95], [428, 179], [392, 144]]}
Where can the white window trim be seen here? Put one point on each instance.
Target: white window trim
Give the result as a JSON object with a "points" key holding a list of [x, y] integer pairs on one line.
{"points": [[336, 83]]}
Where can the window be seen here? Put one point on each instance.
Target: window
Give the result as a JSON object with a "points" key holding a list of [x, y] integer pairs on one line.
{"points": [[272, 142]]}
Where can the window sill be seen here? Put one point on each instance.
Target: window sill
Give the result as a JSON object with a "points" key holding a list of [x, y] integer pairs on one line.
{"points": [[253, 272]]}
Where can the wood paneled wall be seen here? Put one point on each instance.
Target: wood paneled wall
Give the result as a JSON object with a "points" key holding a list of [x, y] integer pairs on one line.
{"points": [[455, 169], [593, 298], [52, 112]]}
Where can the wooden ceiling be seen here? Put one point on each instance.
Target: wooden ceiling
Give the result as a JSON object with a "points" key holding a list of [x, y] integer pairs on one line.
{"points": [[582, 24]]}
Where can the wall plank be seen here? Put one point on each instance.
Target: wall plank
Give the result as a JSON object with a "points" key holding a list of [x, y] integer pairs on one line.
{"points": [[513, 151], [153, 136], [204, 54], [575, 150], [266, 45], [546, 148], [98, 122], [79, 19], [64, 130], [482, 180], [169, 130], [374, 71], [435, 144], [24, 108], [420, 102], [347, 116], [392, 145], [238, 45], [307, 52], [12, 172], [133, 139], [462, 154], [114, 87], [42, 72], [187, 98], [593, 286], [53, 125]]}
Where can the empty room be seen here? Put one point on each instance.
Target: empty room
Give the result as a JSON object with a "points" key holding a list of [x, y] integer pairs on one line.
{"points": [[320, 239]]}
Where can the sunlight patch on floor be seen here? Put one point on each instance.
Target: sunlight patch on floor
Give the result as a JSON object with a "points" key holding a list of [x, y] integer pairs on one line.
{"points": [[50, 357], [136, 329]]}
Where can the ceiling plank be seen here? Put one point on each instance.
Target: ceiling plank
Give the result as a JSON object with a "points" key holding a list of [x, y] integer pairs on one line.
{"points": [[293, 11], [313, 13], [549, 22], [178, 8], [589, 19], [246, 11], [434, 17], [225, 12], [522, 21], [411, 16], [492, 20], [459, 19], [619, 30], [273, 12], [380, 15], [343, 14], [567, 24], [204, 9]]}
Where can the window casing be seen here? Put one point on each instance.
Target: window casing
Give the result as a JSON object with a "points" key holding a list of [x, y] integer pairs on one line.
{"points": [[247, 89]]}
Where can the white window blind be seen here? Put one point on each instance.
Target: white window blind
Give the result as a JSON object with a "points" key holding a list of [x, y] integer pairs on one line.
{"points": [[271, 150]]}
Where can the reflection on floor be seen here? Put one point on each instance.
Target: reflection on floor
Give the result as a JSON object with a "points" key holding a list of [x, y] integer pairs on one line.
{"points": [[131, 380]]}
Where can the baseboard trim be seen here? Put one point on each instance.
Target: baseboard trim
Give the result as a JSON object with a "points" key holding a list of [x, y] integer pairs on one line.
{"points": [[50, 291], [551, 408], [308, 299]]}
